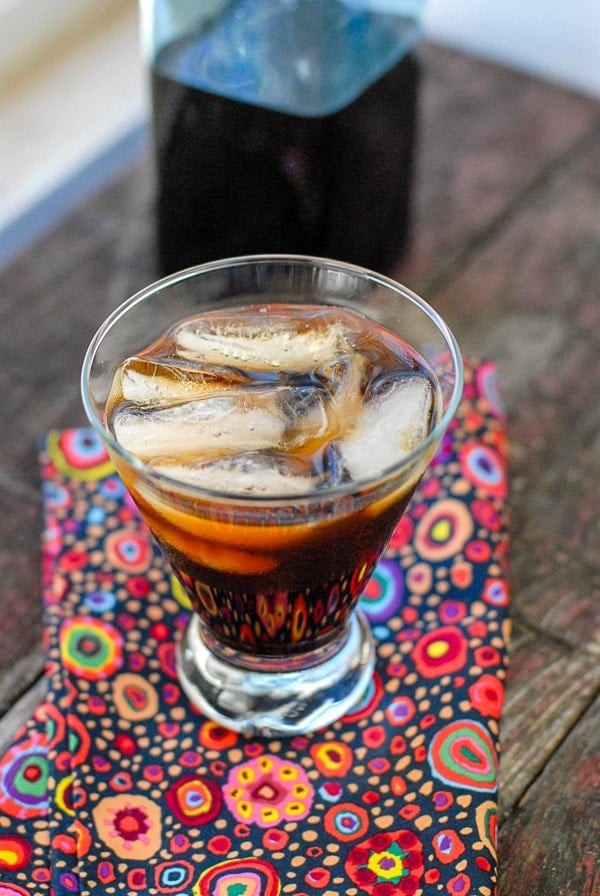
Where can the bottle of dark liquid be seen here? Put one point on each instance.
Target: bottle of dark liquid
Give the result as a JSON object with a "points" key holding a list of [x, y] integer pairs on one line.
{"points": [[282, 126]]}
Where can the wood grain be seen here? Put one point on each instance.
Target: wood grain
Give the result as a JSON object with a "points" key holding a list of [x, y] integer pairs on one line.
{"points": [[549, 690], [550, 845], [20, 712]]}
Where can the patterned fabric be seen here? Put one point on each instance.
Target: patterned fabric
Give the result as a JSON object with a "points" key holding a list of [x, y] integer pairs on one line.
{"points": [[117, 785]]}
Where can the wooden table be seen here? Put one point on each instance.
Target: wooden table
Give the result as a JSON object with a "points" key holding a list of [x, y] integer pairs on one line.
{"points": [[507, 245]]}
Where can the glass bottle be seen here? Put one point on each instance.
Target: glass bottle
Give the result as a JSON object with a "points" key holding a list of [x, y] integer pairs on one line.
{"points": [[282, 126]]}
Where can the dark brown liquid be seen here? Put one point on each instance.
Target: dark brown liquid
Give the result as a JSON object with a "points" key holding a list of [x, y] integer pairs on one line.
{"points": [[298, 605], [236, 179]]}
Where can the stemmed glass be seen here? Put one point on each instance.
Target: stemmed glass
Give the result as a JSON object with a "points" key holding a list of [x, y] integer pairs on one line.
{"points": [[275, 643]]}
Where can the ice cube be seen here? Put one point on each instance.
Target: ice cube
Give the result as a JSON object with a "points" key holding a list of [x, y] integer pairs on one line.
{"points": [[344, 378], [213, 425], [265, 473], [391, 423], [305, 410], [264, 342], [332, 470], [145, 381]]}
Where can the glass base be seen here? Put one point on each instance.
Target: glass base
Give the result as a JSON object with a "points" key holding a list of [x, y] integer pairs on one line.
{"points": [[277, 703]]}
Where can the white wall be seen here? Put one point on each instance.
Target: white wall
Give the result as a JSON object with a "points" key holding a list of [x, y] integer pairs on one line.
{"points": [[555, 39], [71, 101]]}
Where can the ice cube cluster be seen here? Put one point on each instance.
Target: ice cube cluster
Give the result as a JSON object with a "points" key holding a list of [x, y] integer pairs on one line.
{"points": [[271, 401]]}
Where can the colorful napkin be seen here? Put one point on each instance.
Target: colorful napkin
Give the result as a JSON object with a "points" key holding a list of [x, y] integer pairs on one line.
{"points": [[118, 785]]}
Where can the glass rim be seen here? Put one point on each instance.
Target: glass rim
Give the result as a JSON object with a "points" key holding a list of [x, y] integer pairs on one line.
{"points": [[235, 498]]}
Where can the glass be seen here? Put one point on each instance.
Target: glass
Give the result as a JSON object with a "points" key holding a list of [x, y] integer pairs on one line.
{"points": [[276, 644]]}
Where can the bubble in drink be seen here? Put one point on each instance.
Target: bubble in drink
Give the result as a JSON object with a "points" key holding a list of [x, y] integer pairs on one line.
{"points": [[278, 433]]}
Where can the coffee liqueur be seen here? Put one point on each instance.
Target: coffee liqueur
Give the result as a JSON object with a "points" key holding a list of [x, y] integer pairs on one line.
{"points": [[235, 178]]}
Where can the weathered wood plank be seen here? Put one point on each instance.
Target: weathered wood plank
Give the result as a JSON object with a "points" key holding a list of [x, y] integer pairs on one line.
{"points": [[20, 675], [487, 135], [549, 688], [20, 713], [20, 604], [551, 845]]}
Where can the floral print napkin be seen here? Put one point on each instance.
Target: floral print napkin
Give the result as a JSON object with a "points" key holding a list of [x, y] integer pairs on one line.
{"points": [[118, 785]]}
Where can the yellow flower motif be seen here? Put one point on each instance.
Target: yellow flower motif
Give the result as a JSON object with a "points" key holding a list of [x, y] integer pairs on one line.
{"points": [[244, 809], [386, 865], [265, 764], [268, 791], [269, 816], [301, 791], [293, 810]]}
